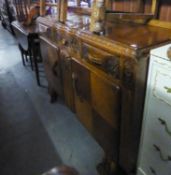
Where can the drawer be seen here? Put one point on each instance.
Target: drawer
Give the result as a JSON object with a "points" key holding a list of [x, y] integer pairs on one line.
{"points": [[160, 93], [162, 86], [81, 81], [42, 28], [61, 37], [155, 152], [155, 155], [104, 60], [50, 51], [155, 160]]}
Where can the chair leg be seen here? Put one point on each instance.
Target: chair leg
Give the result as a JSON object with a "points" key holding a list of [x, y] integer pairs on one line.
{"points": [[26, 58], [36, 70], [31, 60], [22, 56]]}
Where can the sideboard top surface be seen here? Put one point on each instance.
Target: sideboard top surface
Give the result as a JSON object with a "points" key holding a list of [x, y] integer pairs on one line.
{"points": [[129, 36]]}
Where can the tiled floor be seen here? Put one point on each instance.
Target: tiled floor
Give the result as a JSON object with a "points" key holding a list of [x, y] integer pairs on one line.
{"points": [[34, 134]]}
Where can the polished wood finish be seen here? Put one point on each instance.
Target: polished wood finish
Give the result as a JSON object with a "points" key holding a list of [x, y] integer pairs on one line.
{"points": [[155, 7], [52, 63], [66, 62], [63, 10], [98, 16], [157, 23], [128, 17], [160, 8], [104, 78], [42, 7]]}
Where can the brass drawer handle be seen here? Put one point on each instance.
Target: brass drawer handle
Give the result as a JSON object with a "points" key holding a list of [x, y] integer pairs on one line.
{"points": [[95, 60], [67, 63], [75, 82], [165, 159], [75, 86], [55, 69], [163, 122]]}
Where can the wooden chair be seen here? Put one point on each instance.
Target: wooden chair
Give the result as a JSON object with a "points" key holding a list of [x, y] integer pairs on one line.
{"points": [[28, 43]]}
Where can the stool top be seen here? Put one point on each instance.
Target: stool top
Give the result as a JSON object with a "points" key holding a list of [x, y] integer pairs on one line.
{"points": [[62, 170]]}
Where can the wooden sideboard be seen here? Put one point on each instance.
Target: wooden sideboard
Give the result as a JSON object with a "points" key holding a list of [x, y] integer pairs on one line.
{"points": [[102, 78]]}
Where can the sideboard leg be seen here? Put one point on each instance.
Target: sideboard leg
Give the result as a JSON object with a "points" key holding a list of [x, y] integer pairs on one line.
{"points": [[107, 167]]}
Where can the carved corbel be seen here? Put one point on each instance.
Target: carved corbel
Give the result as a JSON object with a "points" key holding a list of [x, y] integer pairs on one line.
{"points": [[97, 16], [42, 7]]}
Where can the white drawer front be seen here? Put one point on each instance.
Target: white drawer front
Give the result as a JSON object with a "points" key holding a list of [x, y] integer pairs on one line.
{"points": [[42, 28], [155, 151], [162, 86]]}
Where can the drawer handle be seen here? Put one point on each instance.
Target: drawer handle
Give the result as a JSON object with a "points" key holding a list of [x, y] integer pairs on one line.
{"points": [[167, 159], [55, 67], [95, 60], [153, 171], [163, 122], [75, 84], [67, 63]]}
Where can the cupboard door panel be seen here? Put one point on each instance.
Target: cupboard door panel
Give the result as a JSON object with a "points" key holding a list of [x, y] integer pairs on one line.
{"points": [[81, 85], [84, 113], [51, 60], [106, 99], [81, 81], [67, 80], [106, 136]]}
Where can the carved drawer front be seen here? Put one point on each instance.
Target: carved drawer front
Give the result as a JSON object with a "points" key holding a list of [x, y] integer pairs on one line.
{"points": [[81, 86], [42, 28], [74, 46], [67, 78], [50, 51], [155, 152], [61, 37], [104, 60]]}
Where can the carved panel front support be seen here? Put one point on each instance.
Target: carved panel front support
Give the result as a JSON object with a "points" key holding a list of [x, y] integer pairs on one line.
{"points": [[42, 8], [97, 16], [63, 10], [133, 92]]}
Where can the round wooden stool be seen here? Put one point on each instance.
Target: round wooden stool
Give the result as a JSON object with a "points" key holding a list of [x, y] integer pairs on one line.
{"points": [[62, 170]]}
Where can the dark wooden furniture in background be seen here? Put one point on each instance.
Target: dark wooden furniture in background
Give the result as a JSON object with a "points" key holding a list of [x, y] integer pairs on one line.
{"points": [[7, 14], [27, 38]]}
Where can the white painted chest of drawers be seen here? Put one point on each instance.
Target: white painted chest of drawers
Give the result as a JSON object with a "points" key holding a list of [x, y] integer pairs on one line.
{"points": [[155, 145]]}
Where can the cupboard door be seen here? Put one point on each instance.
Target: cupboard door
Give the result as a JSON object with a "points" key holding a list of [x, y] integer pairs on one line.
{"points": [[67, 79], [51, 60], [81, 85], [106, 99], [106, 106]]}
